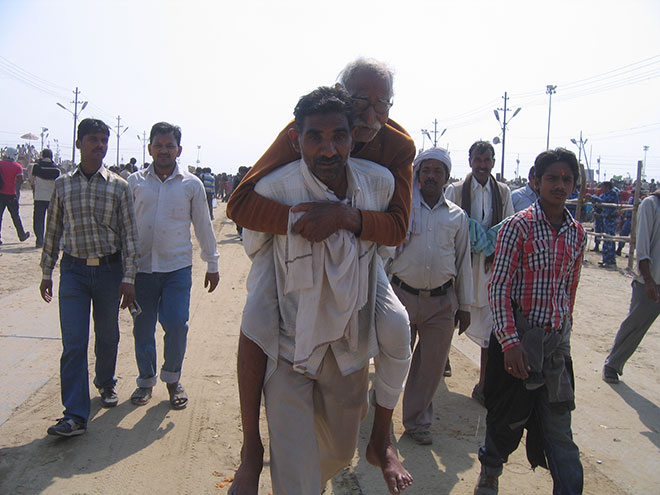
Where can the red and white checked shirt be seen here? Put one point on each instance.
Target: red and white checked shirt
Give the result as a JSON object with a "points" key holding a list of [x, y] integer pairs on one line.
{"points": [[536, 267]]}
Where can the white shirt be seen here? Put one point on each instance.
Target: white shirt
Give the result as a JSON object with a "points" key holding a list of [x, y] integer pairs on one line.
{"points": [[164, 211], [648, 236], [439, 253]]}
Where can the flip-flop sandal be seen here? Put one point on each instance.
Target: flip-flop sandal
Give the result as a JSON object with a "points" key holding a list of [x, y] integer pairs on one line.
{"points": [[141, 396], [178, 396]]}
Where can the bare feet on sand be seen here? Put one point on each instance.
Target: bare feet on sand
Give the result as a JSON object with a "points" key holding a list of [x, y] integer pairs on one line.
{"points": [[384, 456], [246, 477]]}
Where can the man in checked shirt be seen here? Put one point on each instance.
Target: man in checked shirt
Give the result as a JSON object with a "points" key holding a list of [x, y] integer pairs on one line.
{"points": [[529, 376], [91, 213]]}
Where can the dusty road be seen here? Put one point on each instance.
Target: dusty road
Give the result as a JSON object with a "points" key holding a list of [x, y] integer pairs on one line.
{"points": [[153, 449]]}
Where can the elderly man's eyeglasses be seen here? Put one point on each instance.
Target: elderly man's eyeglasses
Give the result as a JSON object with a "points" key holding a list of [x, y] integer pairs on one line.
{"points": [[361, 104]]}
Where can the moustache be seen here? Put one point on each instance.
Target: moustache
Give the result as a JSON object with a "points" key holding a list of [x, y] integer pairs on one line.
{"points": [[333, 160], [376, 126], [431, 181], [98, 150]]}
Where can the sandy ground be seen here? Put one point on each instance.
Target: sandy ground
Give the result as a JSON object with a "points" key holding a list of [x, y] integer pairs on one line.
{"points": [[153, 449]]}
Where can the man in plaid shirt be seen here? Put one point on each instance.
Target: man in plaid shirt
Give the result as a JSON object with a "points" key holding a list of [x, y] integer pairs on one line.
{"points": [[91, 216], [529, 376]]}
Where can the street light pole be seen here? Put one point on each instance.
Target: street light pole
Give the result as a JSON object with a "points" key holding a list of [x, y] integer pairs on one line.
{"points": [[504, 123], [143, 140], [550, 90], [119, 133], [75, 121]]}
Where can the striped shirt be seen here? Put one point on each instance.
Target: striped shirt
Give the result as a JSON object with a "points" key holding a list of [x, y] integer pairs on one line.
{"points": [[91, 219], [538, 269]]}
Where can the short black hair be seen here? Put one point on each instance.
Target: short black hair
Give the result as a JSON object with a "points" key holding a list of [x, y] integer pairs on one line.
{"points": [[46, 153], [92, 126], [547, 158], [165, 128], [479, 147], [324, 100]]}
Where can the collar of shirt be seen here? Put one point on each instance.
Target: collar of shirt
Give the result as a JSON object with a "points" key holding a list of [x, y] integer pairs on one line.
{"points": [[442, 201], [102, 171], [152, 171], [538, 215], [476, 186]]}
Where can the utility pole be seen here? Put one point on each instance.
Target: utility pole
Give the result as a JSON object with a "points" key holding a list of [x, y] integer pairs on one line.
{"points": [[580, 144], [119, 132], [504, 123], [550, 90], [75, 120], [435, 137], [143, 140]]}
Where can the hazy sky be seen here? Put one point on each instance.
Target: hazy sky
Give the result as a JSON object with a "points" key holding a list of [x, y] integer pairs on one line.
{"points": [[230, 73]]}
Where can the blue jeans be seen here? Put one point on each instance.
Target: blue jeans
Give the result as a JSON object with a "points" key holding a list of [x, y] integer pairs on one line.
{"points": [[164, 297], [563, 455], [81, 285]]}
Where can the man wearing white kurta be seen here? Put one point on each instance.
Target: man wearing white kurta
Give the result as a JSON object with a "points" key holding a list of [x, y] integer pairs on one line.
{"points": [[488, 202], [317, 377]]}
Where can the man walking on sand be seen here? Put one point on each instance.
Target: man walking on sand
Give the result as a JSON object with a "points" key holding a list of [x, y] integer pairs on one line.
{"points": [[168, 199], [91, 216]]}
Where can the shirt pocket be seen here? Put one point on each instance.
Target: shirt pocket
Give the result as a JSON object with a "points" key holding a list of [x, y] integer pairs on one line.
{"points": [[537, 254], [445, 236]]}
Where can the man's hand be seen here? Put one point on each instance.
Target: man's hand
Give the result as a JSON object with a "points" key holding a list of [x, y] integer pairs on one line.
{"points": [[126, 294], [46, 290], [651, 289], [515, 362], [322, 219], [211, 280], [462, 319]]}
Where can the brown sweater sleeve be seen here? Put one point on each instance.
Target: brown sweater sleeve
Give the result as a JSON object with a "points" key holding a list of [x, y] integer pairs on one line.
{"points": [[252, 211], [393, 148]]}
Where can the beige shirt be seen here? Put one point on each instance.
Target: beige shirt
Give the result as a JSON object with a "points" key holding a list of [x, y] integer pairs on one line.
{"points": [[439, 253]]}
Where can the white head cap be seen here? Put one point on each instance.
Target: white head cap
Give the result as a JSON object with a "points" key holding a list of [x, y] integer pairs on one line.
{"points": [[439, 154]]}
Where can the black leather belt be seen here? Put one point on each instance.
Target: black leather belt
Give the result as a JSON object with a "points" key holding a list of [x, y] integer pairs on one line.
{"points": [[438, 291], [104, 260]]}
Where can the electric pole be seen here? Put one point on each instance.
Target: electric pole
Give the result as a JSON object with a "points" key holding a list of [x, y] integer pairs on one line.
{"points": [[143, 140], [504, 123], [119, 132], [550, 90], [75, 120]]}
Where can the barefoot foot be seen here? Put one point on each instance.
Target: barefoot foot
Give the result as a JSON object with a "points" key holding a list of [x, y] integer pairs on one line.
{"points": [[246, 477], [384, 456]]}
